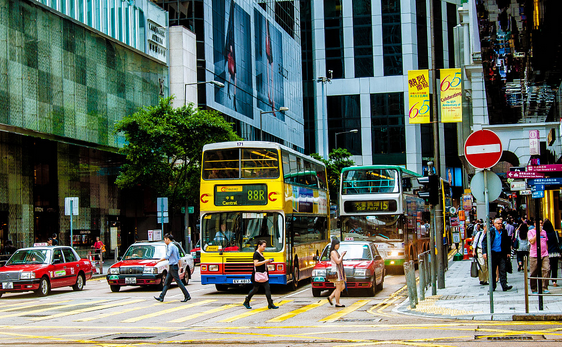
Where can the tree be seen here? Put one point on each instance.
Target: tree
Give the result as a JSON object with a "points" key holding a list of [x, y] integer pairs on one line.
{"points": [[337, 160], [164, 147]]}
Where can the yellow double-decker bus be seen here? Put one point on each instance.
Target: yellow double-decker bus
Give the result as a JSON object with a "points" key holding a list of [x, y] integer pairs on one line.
{"points": [[251, 191]]}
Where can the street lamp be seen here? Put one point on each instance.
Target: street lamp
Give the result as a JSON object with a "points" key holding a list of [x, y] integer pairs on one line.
{"points": [[215, 83], [281, 109], [352, 131]]}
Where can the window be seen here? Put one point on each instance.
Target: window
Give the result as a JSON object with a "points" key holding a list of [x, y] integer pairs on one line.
{"points": [[370, 181], [362, 38], [421, 21], [69, 256], [391, 37], [241, 163], [333, 37], [388, 129], [344, 114]]}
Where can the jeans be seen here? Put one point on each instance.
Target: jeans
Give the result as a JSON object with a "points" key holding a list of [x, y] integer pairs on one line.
{"points": [[520, 257], [554, 268], [173, 273], [257, 286], [499, 260]]}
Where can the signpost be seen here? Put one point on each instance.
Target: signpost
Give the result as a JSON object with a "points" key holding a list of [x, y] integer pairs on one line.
{"points": [[162, 211], [483, 149], [71, 208]]}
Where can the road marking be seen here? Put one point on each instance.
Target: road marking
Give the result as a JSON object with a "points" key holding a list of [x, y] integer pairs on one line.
{"points": [[251, 313], [51, 308], [356, 305], [197, 315], [20, 305], [87, 309], [293, 313], [163, 312]]}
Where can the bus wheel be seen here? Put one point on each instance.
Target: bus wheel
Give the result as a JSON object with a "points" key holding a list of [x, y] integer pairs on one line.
{"points": [[295, 283], [316, 292], [221, 287]]}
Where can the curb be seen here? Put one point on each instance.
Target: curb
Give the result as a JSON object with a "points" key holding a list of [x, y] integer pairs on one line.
{"points": [[537, 317]]}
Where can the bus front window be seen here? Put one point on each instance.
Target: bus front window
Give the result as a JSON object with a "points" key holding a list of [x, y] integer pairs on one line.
{"points": [[240, 231], [376, 228]]}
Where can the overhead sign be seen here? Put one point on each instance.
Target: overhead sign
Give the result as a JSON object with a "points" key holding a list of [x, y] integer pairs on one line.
{"points": [[546, 181], [545, 168], [494, 186], [518, 185], [534, 142], [483, 149], [418, 96], [524, 174]]}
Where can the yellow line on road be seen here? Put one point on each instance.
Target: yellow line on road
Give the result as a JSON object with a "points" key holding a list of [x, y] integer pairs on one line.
{"points": [[87, 309], [293, 313], [109, 314], [197, 315], [163, 312], [51, 308], [356, 305], [21, 305], [252, 312]]}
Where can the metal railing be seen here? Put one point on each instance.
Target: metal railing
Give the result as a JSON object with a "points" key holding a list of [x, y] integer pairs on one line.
{"points": [[424, 275], [540, 293]]}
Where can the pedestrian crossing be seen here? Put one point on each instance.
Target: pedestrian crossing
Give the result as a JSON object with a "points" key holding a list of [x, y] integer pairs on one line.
{"points": [[141, 310]]}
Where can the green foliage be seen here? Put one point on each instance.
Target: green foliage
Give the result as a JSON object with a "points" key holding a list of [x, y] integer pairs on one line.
{"points": [[164, 146], [338, 159]]}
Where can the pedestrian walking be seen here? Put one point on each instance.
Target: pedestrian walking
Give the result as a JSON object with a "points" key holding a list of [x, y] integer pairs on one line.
{"points": [[337, 263], [501, 253], [479, 254], [55, 239], [522, 245], [173, 258], [553, 249], [545, 263], [260, 276]]}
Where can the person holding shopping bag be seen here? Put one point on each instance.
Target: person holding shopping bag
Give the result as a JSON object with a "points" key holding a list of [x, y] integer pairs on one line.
{"points": [[260, 276], [337, 265], [479, 254]]}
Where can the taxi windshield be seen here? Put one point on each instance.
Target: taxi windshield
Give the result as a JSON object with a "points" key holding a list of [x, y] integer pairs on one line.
{"points": [[30, 256], [145, 252], [353, 252]]}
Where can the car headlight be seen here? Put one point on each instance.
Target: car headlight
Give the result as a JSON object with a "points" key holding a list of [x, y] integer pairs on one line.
{"points": [[214, 267], [319, 273], [151, 270], [362, 273], [114, 271], [28, 275], [193, 254]]}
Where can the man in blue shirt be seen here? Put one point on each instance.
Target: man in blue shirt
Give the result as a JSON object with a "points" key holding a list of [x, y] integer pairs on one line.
{"points": [[173, 258], [501, 253]]}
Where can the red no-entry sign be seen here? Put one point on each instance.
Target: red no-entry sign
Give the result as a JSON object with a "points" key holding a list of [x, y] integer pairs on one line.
{"points": [[483, 149]]}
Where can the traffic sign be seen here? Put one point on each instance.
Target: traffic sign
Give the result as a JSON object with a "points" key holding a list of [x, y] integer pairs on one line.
{"points": [[545, 168], [555, 181], [538, 194], [483, 149], [518, 185], [494, 186], [524, 174]]}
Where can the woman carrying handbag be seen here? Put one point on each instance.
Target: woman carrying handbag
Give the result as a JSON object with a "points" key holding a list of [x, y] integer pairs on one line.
{"points": [[260, 276], [339, 279]]}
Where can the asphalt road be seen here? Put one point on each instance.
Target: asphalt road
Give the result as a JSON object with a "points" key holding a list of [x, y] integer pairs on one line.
{"points": [[98, 317]]}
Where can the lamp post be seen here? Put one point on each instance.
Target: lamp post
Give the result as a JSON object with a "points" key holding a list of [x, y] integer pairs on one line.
{"points": [[352, 131], [215, 83], [281, 109]]}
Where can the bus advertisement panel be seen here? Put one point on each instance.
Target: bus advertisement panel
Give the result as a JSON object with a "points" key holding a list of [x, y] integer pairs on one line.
{"points": [[253, 191]]}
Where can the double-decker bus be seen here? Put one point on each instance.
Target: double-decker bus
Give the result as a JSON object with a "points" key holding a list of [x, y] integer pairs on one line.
{"points": [[377, 203], [251, 191]]}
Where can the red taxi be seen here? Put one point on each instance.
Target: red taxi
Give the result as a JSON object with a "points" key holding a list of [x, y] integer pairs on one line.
{"points": [[140, 266], [41, 269], [363, 265], [196, 252]]}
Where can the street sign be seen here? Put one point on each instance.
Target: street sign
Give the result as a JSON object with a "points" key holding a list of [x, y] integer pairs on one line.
{"points": [[524, 174], [191, 209], [545, 168], [555, 181], [518, 185], [483, 149], [75, 206], [538, 194], [537, 187], [494, 186], [525, 192]]}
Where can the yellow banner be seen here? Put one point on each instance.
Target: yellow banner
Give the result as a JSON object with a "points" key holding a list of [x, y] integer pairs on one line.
{"points": [[451, 95], [418, 90]]}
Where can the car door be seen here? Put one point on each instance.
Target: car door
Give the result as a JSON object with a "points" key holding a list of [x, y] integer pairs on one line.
{"points": [[72, 266], [58, 274], [378, 263]]}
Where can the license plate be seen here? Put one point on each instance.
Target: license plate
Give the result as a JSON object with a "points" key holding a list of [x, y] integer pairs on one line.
{"points": [[7, 285], [318, 279], [244, 281], [113, 277], [130, 280]]}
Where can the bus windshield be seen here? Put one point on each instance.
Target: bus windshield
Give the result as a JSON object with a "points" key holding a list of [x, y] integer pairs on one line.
{"points": [[368, 181], [241, 163], [240, 231], [375, 228]]}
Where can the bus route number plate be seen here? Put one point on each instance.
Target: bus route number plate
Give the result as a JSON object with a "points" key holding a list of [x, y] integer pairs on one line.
{"points": [[243, 281]]}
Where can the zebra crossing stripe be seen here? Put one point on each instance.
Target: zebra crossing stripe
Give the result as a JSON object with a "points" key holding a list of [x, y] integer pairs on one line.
{"points": [[87, 309], [346, 310], [204, 313], [163, 312], [298, 311], [251, 313], [23, 313]]}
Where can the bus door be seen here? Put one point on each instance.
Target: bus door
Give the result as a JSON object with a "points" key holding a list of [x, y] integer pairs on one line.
{"points": [[290, 237]]}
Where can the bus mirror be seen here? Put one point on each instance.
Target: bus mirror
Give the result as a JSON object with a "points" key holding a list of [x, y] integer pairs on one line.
{"points": [[316, 258]]}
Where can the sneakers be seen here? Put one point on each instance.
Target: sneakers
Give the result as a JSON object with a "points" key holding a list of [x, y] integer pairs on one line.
{"points": [[272, 307], [546, 291], [247, 304], [534, 292]]}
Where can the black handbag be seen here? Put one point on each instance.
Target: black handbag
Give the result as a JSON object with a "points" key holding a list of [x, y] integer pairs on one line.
{"points": [[474, 268], [508, 266]]}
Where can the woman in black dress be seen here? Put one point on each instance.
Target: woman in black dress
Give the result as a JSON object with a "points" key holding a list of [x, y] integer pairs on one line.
{"points": [[260, 265]]}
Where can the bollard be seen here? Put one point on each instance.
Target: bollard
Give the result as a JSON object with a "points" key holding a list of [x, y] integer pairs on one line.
{"points": [[526, 281], [422, 277], [409, 272]]}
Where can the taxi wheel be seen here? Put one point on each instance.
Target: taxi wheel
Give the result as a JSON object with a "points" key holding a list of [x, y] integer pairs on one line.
{"points": [[1, 294], [373, 290], [295, 283], [185, 279], [44, 287], [160, 285], [316, 292], [79, 285], [115, 288], [381, 285]]}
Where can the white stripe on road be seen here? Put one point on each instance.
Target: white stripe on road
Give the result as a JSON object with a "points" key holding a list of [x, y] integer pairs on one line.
{"points": [[483, 149]]}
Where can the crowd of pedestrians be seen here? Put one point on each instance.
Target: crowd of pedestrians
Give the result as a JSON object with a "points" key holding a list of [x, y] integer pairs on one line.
{"points": [[518, 239]]}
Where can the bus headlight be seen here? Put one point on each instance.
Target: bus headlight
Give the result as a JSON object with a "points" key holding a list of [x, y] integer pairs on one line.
{"points": [[270, 267], [214, 267], [28, 275], [319, 273], [150, 270]]}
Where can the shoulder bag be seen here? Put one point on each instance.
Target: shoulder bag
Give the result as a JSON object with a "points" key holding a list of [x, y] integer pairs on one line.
{"points": [[260, 277], [474, 268], [332, 273]]}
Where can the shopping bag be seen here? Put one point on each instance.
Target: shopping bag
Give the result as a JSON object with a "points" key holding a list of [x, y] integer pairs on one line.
{"points": [[474, 268]]}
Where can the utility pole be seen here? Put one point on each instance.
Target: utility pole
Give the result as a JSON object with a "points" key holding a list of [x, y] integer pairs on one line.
{"points": [[436, 160]]}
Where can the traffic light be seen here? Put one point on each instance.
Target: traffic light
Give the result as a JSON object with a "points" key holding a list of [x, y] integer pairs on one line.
{"points": [[429, 189]]}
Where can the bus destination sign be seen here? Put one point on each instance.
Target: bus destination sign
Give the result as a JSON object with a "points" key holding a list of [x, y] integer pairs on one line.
{"points": [[241, 195], [370, 206]]}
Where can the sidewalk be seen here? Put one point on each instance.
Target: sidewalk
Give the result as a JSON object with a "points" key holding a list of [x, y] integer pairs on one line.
{"points": [[106, 265], [464, 298]]}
